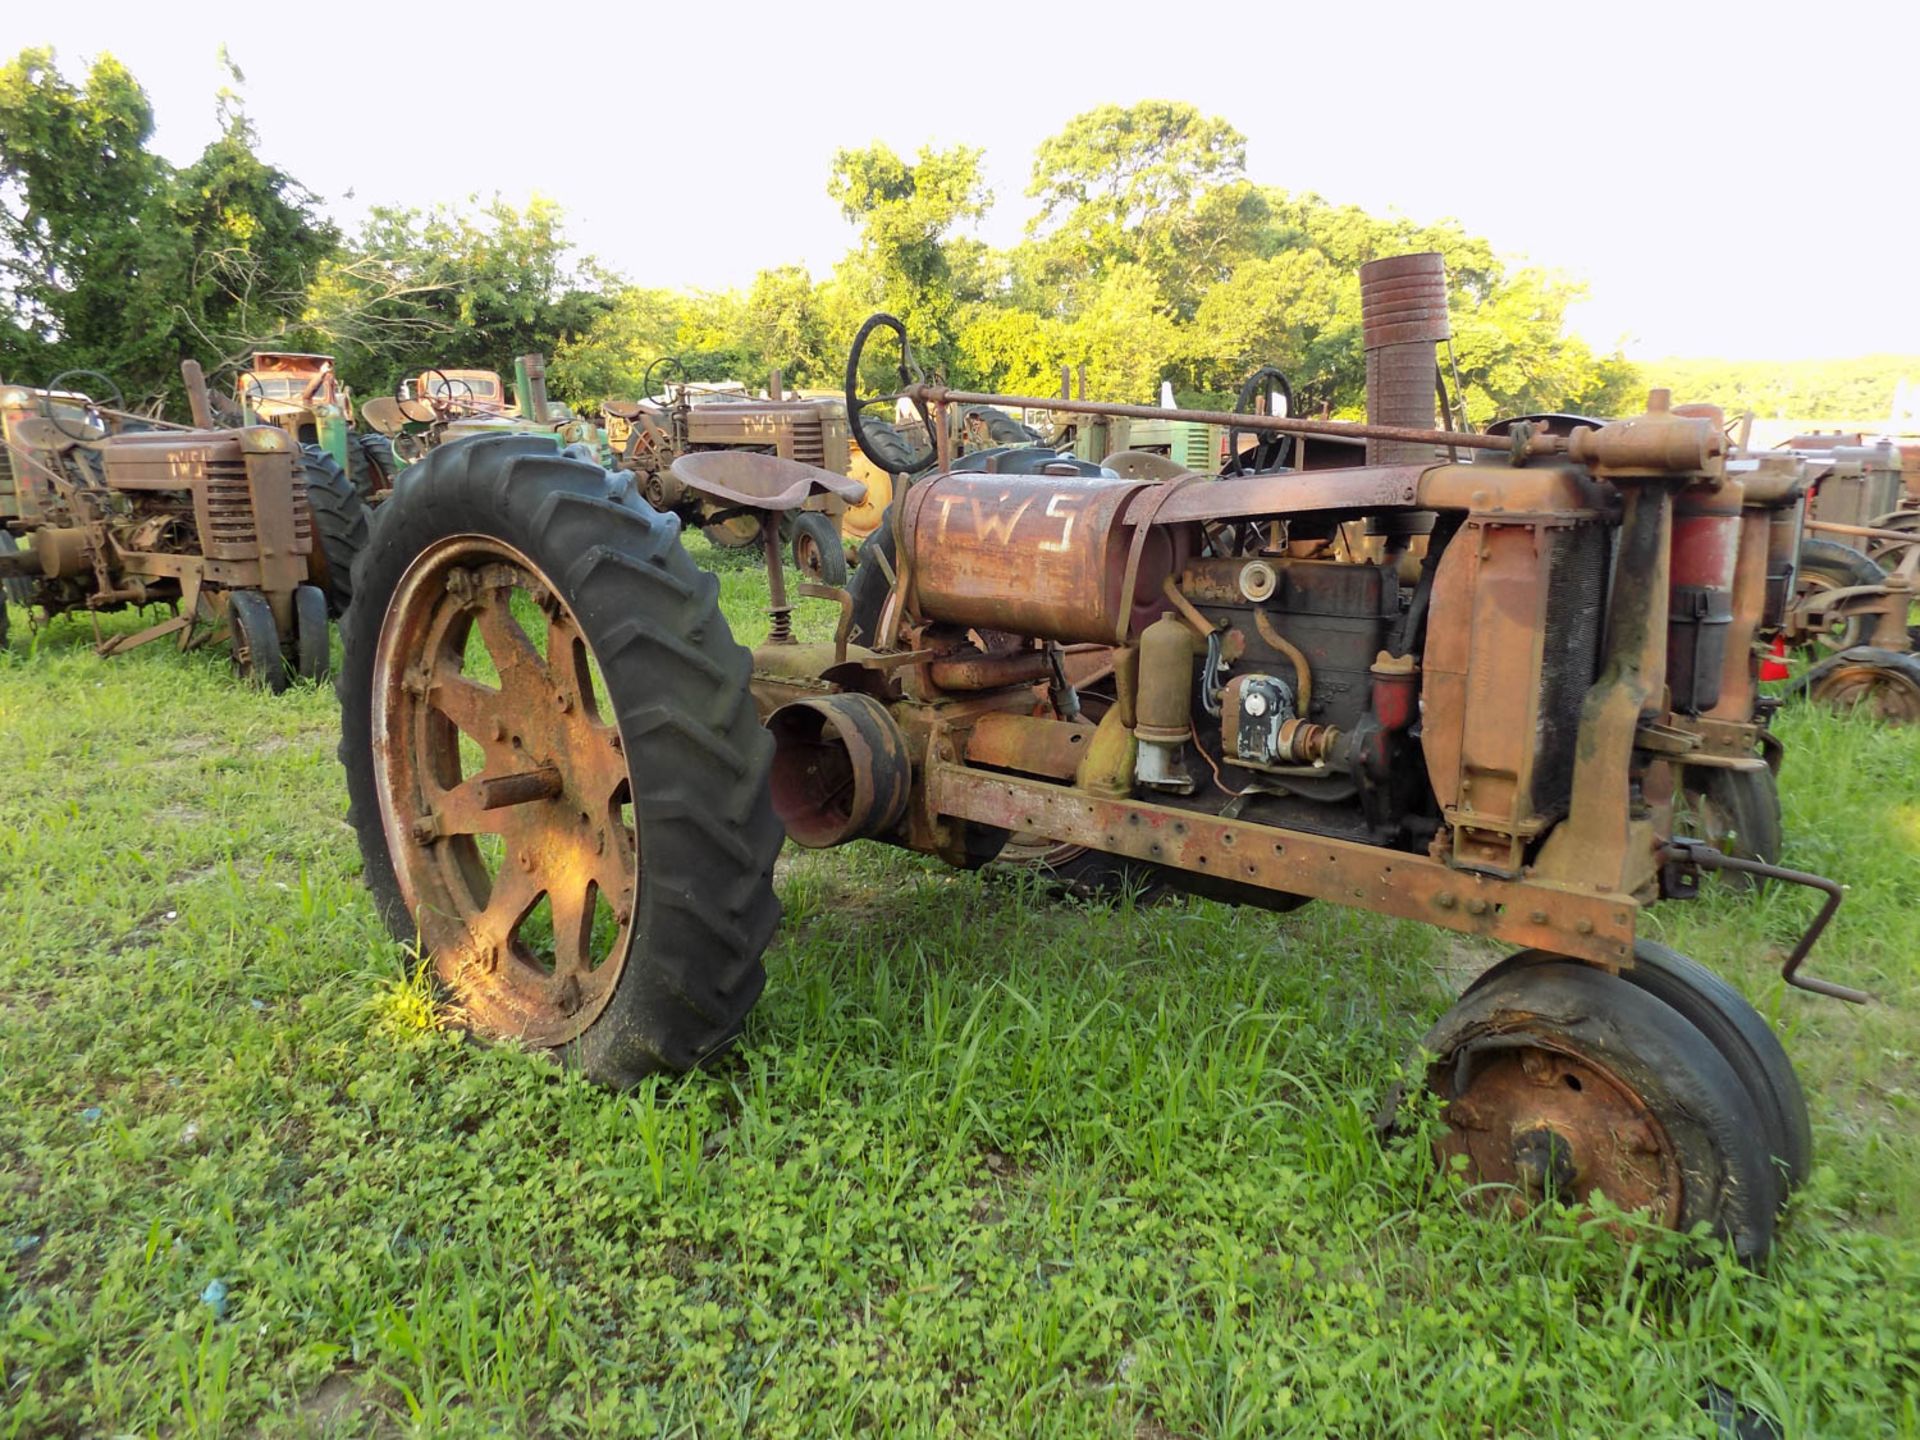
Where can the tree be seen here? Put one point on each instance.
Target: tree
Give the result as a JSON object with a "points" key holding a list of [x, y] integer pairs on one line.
{"points": [[454, 287], [112, 260], [1157, 184], [910, 262]]}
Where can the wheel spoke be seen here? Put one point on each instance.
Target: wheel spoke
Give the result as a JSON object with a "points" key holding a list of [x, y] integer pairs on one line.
{"points": [[571, 901], [470, 705], [514, 893], [461, 812], [513, 652]]}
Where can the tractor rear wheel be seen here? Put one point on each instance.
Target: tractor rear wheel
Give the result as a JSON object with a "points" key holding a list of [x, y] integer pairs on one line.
{"points": [[1827, 566], [313, 642], [373, 465], [1561, 1080], [340, 519], [1881, 683], [555, 767], [255, 639], [818, 552]]}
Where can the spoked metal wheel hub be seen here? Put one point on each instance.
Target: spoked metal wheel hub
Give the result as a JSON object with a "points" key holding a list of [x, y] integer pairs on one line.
{"points": [[504, 791], [1547, 1121]]}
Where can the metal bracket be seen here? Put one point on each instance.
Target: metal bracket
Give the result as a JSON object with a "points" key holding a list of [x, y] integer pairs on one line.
{"points": [[1682, 860]]}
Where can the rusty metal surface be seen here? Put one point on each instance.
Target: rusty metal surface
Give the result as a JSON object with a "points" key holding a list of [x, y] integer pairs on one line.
{"points": [[841, 770], [1403, 314], [1038, 555], [1274, 424], [1584, 924], [476, 848], [1537, 1117], [761, 482], [1029, 744]]}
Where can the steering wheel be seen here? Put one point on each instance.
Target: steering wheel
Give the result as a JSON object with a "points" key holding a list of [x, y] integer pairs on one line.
{"points": [[1270, 451], [910, 373], [444, 402], [674, 367], [55, 385]]}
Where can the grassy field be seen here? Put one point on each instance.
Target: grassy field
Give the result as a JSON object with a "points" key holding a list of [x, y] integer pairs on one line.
{"points": [[987, 1162]]}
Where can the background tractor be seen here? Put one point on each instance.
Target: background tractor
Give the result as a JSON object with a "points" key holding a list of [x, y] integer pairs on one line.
{"points": [[688, 419], [570, 784], [302, 395], [428, 409], [119, 512]]}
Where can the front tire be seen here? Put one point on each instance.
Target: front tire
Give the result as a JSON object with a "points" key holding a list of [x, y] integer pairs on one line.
{"points": [[1561, 1080], [257, 657], [818, 552], [584, 849]]}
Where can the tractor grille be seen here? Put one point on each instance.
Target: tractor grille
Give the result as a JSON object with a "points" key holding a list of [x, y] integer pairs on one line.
{"points": [[1194, 449], [229, 507], [809, 445], [234, 534], [6, 467], [1576, 603]]}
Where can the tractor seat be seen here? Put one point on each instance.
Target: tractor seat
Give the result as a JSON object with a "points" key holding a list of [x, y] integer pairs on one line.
{"points": [[389, 416], [1144, 465], [749, 480], [621, 409]]}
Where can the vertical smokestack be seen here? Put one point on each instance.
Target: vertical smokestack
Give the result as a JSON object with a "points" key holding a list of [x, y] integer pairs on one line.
{"points": [[1403, 315]]}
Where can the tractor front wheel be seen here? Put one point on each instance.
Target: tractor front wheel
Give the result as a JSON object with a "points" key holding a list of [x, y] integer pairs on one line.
{"points": [[555, 768], [313, 642], [818, 552], [1735, 811], [257, 657], [1562, 1081]]}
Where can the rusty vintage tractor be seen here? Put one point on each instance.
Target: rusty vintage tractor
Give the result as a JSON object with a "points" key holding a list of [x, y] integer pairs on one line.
{"points": [[685, 418], [570, 784], [435, 406], [120, 511], [302, 395]]}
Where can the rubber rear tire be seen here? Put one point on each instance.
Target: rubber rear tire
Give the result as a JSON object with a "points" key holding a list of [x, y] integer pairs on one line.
{"points": [[678, 691], [818, 551], [373, 465], [257, 657], [1710, 1123], [1738, 1031], [340, 527], [1840, 567]]}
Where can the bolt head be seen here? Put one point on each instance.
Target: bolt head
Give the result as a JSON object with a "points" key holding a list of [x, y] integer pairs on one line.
{"points": [[525, 858]]}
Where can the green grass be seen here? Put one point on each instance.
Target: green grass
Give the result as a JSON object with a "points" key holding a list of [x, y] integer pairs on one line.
{"points": [[987, 1163]]}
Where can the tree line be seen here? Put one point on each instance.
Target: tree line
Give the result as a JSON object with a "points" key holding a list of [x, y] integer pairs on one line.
{"points": [[1150, 257]]}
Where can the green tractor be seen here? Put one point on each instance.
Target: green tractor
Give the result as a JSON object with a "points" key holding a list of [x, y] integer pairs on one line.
{"points": [[433, 406], [302, 395]]}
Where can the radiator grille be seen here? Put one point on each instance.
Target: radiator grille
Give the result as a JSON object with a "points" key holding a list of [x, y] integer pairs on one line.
{"points": [[809, 445], [1195, 449], [1576, 603], [229, 506]]}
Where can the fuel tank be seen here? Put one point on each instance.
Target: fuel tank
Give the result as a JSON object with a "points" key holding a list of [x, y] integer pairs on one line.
{"points": [[1038, 555]]}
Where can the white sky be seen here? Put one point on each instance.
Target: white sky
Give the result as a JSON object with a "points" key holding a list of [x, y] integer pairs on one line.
{"points": [[1739, 180]]}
